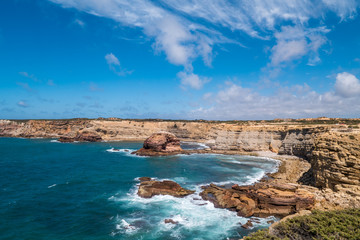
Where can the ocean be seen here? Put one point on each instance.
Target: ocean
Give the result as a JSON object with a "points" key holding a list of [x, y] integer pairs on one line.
{"points": [[51, 190]]}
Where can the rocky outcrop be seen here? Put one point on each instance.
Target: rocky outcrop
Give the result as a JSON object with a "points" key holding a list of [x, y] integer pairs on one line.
{"points": [[300, 142], [158, 144], [336, 162], [290, 138], [261, 199], [150, 188], [82, 137]]}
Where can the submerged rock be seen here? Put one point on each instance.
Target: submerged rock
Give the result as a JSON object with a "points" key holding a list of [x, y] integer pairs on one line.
{"points": [[149, 188], [247, 225], [143, 179], [158, 144], [169, 220], [261, 199]]}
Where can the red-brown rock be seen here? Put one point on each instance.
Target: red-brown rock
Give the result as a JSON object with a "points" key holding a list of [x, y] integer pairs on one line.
{"points": [[169, 220], [147, 189], [247, 225], [160, 144], [261, 199]]}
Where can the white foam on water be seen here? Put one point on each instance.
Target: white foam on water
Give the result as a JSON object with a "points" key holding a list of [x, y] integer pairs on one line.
{"points": [[191, 213], [51, 186], [123, 227], [54, 141], [253, 179], [250, 179], [126, 151]]}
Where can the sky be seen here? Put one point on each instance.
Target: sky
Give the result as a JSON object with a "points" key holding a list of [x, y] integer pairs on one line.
{"points": [[179, 59]]}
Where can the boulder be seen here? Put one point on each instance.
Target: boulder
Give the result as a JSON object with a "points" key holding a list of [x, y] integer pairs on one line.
{"points": [[159, 144], [261, 199], [147, 189]]}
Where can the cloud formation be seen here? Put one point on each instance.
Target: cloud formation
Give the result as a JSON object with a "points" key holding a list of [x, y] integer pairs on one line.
{"points": [[347, 85], [237, 102], [22, 104], [187, 29], [30, 76], [114, 65], [192, 80]]}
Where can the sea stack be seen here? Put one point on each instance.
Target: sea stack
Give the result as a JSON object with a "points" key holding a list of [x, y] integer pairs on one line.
{"points": [[160, 144]]}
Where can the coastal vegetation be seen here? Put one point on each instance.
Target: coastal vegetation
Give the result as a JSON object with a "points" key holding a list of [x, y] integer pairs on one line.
{"points": [[326, 225]]}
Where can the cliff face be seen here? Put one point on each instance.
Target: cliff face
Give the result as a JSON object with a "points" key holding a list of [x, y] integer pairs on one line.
{"points": [[333, 150], [285, 139], [336, 162]]}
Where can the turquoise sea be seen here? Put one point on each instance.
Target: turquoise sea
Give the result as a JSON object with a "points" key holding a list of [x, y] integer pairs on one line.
{"points": [[51, 190]]}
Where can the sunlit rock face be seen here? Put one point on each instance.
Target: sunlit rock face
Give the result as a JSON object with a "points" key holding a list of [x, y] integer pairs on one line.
{"points": [[162, 143]]}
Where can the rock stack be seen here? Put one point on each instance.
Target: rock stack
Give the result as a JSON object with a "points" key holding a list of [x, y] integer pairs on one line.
{"points": [[160, 144]]}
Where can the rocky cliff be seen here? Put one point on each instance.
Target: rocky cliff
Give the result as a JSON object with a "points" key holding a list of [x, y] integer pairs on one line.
{"points": [[336, 162], [291, 139], [333, 149]]}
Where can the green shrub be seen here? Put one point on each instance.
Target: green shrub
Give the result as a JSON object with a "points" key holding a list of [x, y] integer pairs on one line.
{"points": [[325, 225]]}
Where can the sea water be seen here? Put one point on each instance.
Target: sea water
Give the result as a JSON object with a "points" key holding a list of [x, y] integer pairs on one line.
{"points": [[52, 190]]}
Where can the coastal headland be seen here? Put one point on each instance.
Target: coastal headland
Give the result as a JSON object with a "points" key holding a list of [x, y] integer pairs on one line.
{"points": [[320, 157]]}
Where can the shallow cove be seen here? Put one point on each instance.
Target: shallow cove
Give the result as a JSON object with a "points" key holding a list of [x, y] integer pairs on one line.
{"points": [[52, 190]]}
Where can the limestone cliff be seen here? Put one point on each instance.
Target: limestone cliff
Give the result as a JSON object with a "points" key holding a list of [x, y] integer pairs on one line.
{"points": [[333, 148], [290, 139], [336, 162]]}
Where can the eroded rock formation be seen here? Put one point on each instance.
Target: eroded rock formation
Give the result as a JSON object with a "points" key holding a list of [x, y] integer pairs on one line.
{"points": [[261, 199], [162, 143], [336, 162], [150, 188]]}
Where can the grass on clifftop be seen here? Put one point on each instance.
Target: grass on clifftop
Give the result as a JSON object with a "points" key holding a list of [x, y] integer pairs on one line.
{"points": [[344, 224]]}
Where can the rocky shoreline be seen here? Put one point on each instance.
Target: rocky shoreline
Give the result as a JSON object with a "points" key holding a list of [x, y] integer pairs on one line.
{"points": [[319, 158], [287, 193]]}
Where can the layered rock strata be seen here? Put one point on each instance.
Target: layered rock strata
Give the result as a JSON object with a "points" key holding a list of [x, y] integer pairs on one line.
{"points": [[82, 137], [336, 162], [290, 139], [261, 199]]}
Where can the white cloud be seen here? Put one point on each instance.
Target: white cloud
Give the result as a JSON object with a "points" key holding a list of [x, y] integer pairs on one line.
{"points": [[30, 76], [111, 59], [192, 80], [114, 65], [294, 42], [187, 29], [79, 22], [237, 102], [343, 8], [22, 104], [347, 85]]}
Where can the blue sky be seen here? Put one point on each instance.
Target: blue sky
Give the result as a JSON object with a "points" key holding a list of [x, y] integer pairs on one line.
{"points": [[188, 59]]}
